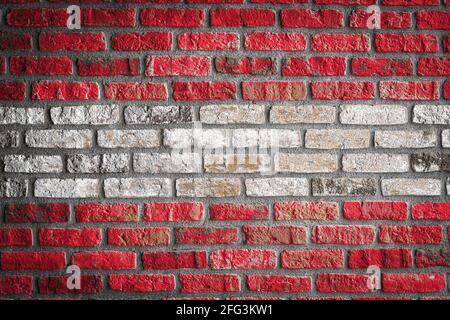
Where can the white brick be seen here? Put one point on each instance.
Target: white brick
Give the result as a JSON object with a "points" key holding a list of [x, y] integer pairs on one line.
{"points": [[33, 164], [228, 114], [157, 114], [13, 188], [137, 187], [273, 187], [167, 162], [306, 163], [66, 188], [205, 138], [94, 115], [337, 139], [9, 139], [446, 138], [265, 138], [105, 163], [373, 115], [208, 187], [128, 138], [432, 114], [237, 163], [302, 114], [13, 115], [375, 163], [69, 139], [405, 139], [411, 187]]}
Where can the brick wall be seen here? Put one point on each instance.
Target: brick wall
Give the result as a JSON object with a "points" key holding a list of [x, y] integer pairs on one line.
{"points": [[92, 122]]}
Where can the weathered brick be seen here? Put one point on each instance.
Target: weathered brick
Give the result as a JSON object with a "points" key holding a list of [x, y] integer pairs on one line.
{"points": [[302, 114], [208, 187], [273, 90], [208, 41], [388, 19], [268, 41], [173, 211], [138, 236], [272, 187], [426, 258], [167, 163], [243, 259], [106, 212], [57, 138], [306, 210], [135, 41], [312, 259], [396, 90], [13, 188], [274, 234], [92, 67], [368, 67], [89, 284], [343, 186], [383, 258], [219, 90], [373, 115], [34, 212], [72, 41], [337, 139], [158, 114], [351, 235], [342, 90], [137, 187], [237, 163], [232, 211], [375, 210], [66, 188], [147, 138], [375, 162], [166, 66], [405, 139], [40, 65], [266, 138], [411, 187], [409, 282], [245, 65], [135, 91], [430, 162], [340, 43], [205, 236], [206, 138], [162, 260], [209, 283], [19, 115], [432, 114], [104, 163], [410, 234], [9, 139], [230, 114], [93, 114], [306, 163], [342, 282], [32, 164], [15, 41], [433, 67]]}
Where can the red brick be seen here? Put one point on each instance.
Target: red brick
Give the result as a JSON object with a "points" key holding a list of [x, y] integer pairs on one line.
{"points": [[108, 17], [34, 212], [433, 20], [135, 41], [72, 41], [406, 3], [219, 90], [181, 18], [37, 17], [411, 234], [446, 43], [383, 258], [138, 236], [267, 41], [314, 66], [60, 90], [107, 260], [274, 234], [208, 41], [2, 65], [433, 67], [41, 65], [340, 42], [106, 213], [15, 237], [426, 258], [431, 211], [296, 210], [236, 17], [177, 66], [206, 236], [162, 260], [406, 43], [342, 90], [173, 211], [215, 1], [135, 91], [33, 260], [143, 1], [375, 210], [232, 211], [304, 18], [15, 41], [312, 259], [141, 282], [209, 283], [16, 284], [409, 282], [11, 90], [273, 90], [369, 67], [351, 235], [89, 284], [246, 65], [388, 19], [109, 67], [243, 259], [346, 2], [396, 90], [69, 237], [447, 90], [333, 282], [267, 283]]}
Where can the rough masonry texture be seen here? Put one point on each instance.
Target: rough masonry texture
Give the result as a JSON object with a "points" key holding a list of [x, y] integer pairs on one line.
{"points": [[225, 149]]}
